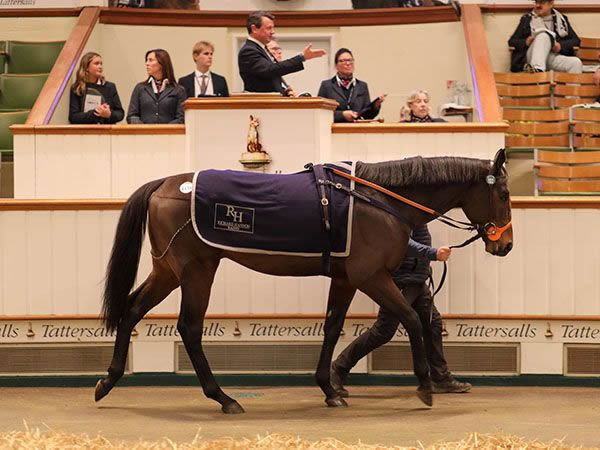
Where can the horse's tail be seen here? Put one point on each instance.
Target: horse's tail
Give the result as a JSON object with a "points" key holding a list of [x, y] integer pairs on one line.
{"points": [[125, 256]]}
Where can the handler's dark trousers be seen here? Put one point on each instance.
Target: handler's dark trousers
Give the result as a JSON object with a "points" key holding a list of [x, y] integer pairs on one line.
{"points": [[386, 325]]}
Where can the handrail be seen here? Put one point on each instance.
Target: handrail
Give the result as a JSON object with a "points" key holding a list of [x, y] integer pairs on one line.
{"points": [[325, 18], [517, 202], [521, 8], [430, 127], [53, 89], [138, 129], [482, 74], [40, 12]]}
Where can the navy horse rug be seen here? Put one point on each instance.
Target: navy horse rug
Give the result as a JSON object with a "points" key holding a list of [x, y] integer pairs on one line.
{"points": [[274, 213]]}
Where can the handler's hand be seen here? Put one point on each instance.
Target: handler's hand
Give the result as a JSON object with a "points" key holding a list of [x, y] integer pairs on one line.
{"points": [[309, 53], [528, 41], [443, 253]]}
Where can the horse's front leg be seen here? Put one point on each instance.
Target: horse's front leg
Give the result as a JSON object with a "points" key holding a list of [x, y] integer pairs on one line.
{"points": [[382, 289], [340, 296]]}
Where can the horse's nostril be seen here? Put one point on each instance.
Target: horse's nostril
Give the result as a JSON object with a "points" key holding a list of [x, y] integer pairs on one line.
{"points": [[509, 247]]}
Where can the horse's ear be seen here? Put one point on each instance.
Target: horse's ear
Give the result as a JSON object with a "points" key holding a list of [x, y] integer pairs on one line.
{"points": [[499, 161]]}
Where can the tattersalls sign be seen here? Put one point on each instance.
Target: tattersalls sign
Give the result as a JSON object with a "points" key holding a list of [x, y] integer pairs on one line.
{"points": [[292, 330]]}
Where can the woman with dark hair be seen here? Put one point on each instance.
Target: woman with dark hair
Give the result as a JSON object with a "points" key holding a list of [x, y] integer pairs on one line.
{"points": [[351, 94], [158, 99], [93, 99]]}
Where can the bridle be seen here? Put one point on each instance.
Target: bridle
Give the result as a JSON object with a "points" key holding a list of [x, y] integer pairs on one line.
{"points": [[489, 230]]}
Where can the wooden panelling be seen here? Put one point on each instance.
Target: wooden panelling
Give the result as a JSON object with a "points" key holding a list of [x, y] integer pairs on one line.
{"points": [[332, 18], [481, 67], [551, 115], [54, 87]]}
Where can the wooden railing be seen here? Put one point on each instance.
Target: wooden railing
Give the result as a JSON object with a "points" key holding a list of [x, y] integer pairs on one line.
{"points": [[53, 89], [333, 18], [484, 85]]}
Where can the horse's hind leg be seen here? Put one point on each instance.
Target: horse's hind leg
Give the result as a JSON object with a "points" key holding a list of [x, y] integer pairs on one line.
{"points": [[150, 293], [341, 294], [384, 292], [196, 281]]}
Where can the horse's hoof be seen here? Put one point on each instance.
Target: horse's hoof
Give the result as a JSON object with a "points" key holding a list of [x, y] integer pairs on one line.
{"points": [[102, 389], [343, 392], [233, 408], [335, 402], [425, 396]]}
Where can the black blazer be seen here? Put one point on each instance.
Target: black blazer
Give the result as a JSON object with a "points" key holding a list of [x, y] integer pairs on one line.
{"points": [[146, 107], [260, 73], [111, 96], [358, 102], [523, 31], [219, 84]]}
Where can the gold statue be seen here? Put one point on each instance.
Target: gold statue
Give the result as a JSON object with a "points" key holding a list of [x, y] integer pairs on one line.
{"points": [[255, 157], [253, 143]]}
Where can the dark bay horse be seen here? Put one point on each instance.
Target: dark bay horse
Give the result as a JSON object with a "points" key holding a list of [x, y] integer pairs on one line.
{"points": [[379, 241]]}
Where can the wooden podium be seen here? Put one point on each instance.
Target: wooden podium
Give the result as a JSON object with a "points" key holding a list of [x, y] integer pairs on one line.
{"points": [[293, 131]]}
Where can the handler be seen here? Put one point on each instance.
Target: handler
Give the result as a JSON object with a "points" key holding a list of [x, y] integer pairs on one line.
{"points": [[411, 278]]}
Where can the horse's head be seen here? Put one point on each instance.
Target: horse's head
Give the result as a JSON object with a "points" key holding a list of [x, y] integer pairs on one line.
{"points": [[488, 206]]}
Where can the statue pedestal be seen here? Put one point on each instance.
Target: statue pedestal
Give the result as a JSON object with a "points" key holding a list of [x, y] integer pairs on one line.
{"points": [[293, 131]]}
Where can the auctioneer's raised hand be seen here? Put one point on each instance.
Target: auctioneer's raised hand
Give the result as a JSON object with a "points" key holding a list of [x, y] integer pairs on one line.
{"points": [[309, 53]]}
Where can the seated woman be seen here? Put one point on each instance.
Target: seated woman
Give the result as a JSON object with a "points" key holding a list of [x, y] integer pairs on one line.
{"points": [[93, 99], [158, 99], [417, 108]]}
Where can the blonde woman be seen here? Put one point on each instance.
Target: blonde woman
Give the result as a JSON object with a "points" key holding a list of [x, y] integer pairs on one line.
{"points": [[417, 108], [93, 99]]}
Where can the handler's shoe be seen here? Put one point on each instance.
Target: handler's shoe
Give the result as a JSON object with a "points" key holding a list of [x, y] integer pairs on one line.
{"points": [[337, 378], [451, 386]]}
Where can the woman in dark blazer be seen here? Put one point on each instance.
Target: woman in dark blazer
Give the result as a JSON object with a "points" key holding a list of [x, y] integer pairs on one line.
{"points": [[158, 99], [93, 99], [351, 94], [417, 108]]}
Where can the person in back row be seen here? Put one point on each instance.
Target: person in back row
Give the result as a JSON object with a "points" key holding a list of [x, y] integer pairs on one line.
{"points": [[258, 68], [351, 94], [202, 82], [277, 52], [417, 108], [544, 40], [93, 100], [158, 99]]}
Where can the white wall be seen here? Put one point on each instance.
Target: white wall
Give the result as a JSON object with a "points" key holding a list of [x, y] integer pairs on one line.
{"points": [[53, 262]]}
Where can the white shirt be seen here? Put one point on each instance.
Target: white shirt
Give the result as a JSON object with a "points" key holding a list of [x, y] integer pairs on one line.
{"points": [[153, 83], [198, 83]]}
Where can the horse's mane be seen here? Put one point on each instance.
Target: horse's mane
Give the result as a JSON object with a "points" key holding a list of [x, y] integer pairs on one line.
{"points": [[420, 171]]}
